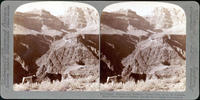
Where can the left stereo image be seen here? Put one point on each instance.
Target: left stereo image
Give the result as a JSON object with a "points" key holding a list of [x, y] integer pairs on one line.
{"points": [[56, 47]]}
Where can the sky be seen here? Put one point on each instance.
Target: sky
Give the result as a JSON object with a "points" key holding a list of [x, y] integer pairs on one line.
{"points": [[55, 8], [141, 8]]}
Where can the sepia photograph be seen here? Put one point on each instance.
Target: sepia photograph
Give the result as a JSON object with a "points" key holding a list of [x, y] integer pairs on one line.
{"points": [[143, 47], [56, 47], [67, 46], [99, 49]]}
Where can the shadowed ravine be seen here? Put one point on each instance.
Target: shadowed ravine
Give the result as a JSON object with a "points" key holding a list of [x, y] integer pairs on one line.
{"points": [[115, 48]]}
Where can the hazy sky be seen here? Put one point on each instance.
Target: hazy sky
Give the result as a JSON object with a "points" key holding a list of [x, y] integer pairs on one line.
{"points": [[141, 8], [54, 7]]}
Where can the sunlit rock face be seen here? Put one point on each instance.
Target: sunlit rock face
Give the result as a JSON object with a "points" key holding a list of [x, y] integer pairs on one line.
{"points": [[66, 53], [122, 21]]}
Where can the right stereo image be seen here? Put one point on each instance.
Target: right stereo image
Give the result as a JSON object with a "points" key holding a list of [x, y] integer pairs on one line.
{"points": [[143, 47]]}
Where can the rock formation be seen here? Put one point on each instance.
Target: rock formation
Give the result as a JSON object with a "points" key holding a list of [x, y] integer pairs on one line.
{"points": [[144, 51], [44, 43]]}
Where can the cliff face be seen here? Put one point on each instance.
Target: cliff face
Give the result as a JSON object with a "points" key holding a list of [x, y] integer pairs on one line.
{"points": [[36, 21], [113, 49], [45, 43], [64, 54], [153, 52], [135, 46], [34, 55], [27, 49], [80, 18], [122, 21]]}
